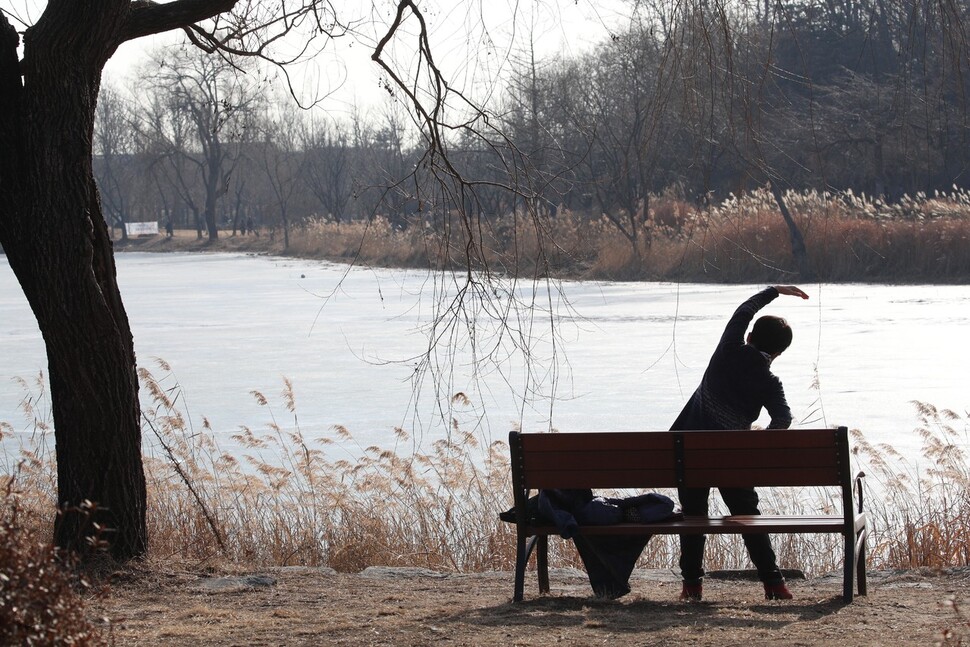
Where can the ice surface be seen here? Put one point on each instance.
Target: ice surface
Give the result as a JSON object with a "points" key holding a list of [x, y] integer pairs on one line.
{"points": [[622, 356]]}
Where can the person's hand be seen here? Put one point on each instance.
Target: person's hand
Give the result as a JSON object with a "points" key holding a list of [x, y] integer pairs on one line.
{"points": [[791, 290]]}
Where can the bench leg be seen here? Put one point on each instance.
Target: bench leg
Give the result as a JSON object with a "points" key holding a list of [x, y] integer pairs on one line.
{"points": [[861, 563], [521, 557], [542, 563], [523, 550], [848, 569]]}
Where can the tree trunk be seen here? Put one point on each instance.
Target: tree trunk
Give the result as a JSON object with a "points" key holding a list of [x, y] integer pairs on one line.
{"points": [[213, 188], [209, 214], [57, 243], [798, 249]]}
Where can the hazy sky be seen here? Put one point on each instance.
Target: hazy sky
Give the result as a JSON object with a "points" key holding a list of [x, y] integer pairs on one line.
{"points": [[472, 41]]}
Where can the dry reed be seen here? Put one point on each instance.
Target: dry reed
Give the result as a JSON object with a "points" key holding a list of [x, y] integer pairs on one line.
{"points": [[284, 499], [742, 239]]}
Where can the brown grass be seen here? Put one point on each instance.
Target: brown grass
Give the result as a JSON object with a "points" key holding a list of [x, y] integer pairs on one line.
{"points": [[923, 516], [743, 239], [288, 500]]}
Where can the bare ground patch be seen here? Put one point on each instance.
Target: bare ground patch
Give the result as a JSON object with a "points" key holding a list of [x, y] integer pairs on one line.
{"points": [[305, 606]]}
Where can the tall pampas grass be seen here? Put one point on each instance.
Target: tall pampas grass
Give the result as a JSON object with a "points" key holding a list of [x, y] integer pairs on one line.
{"points": [[277, 497], [742, 239]]}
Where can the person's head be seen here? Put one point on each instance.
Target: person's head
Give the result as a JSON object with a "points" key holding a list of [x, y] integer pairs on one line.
{"points": [[771, 335]]}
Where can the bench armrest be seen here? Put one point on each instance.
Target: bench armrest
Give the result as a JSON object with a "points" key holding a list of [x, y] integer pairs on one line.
{"points": [[857, 486]]}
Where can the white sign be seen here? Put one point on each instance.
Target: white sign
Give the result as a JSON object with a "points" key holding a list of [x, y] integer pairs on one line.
{"points": [[141, 228]]}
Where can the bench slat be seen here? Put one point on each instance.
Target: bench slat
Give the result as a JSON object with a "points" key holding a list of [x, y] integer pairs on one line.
{"points": [[768, 438], [770, 524], [743, 459], [597, 459], [730, 476], [660, 440], [616, 478], [737, 459], [606, 478], [600, 440]]}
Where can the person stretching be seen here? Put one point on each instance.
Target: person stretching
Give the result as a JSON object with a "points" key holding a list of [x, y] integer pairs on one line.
{"points": [[737, 384]]}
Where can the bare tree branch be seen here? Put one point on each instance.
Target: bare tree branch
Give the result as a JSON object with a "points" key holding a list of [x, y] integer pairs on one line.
{"points": [[147, 17]]}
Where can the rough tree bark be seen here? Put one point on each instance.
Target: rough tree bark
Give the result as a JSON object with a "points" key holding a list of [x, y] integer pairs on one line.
{"points": [[57, 243], [799, 252]]}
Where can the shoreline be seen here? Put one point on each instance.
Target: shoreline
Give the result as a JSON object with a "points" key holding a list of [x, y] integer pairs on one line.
{"points": [[267, 245]]}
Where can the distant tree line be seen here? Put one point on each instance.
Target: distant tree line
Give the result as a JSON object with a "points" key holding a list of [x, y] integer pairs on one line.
{"points": [[708, 98], [209, 145], [700, 98]]}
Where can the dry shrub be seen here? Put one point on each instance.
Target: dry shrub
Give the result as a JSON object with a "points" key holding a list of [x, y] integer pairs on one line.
{"points": [[40, 602], [614, 257], [848, 237], [959, 633], [376, 242], [742, 239], [39, 599], [670, 211], [28, 458]]}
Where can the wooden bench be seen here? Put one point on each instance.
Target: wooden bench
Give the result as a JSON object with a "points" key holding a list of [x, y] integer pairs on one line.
{"points": [[668, 459]]}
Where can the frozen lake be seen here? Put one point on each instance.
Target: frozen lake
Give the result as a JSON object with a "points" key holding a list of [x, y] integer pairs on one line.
{"points": [[622, 356]]}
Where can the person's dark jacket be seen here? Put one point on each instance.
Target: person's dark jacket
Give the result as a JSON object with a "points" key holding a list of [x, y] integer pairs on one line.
{"points": [[738, 381]]}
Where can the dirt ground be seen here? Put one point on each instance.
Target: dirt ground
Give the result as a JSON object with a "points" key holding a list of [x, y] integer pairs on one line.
{"points": [[306, 606]]}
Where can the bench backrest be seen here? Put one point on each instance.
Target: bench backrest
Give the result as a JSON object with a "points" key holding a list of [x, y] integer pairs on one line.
{"points": [[668, 459]]}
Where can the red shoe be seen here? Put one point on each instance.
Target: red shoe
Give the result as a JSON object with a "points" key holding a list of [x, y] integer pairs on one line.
{"points": [[777, 592], [692, 592]]}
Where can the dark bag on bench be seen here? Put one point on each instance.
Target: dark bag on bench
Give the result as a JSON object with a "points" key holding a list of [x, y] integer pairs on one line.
{"points": [[609, 561]]}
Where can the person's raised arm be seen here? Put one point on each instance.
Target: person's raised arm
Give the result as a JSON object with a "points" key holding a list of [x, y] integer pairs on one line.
{"points": [[790, 290]]}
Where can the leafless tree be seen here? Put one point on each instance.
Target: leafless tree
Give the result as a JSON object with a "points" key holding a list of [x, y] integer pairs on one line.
{"points": [[280, 159], [56, 239], [329, 153], [215, 103], [113, 147]]}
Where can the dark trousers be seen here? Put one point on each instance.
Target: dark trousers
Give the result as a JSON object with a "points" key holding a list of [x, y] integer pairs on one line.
{"points": [[694, 501]]}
